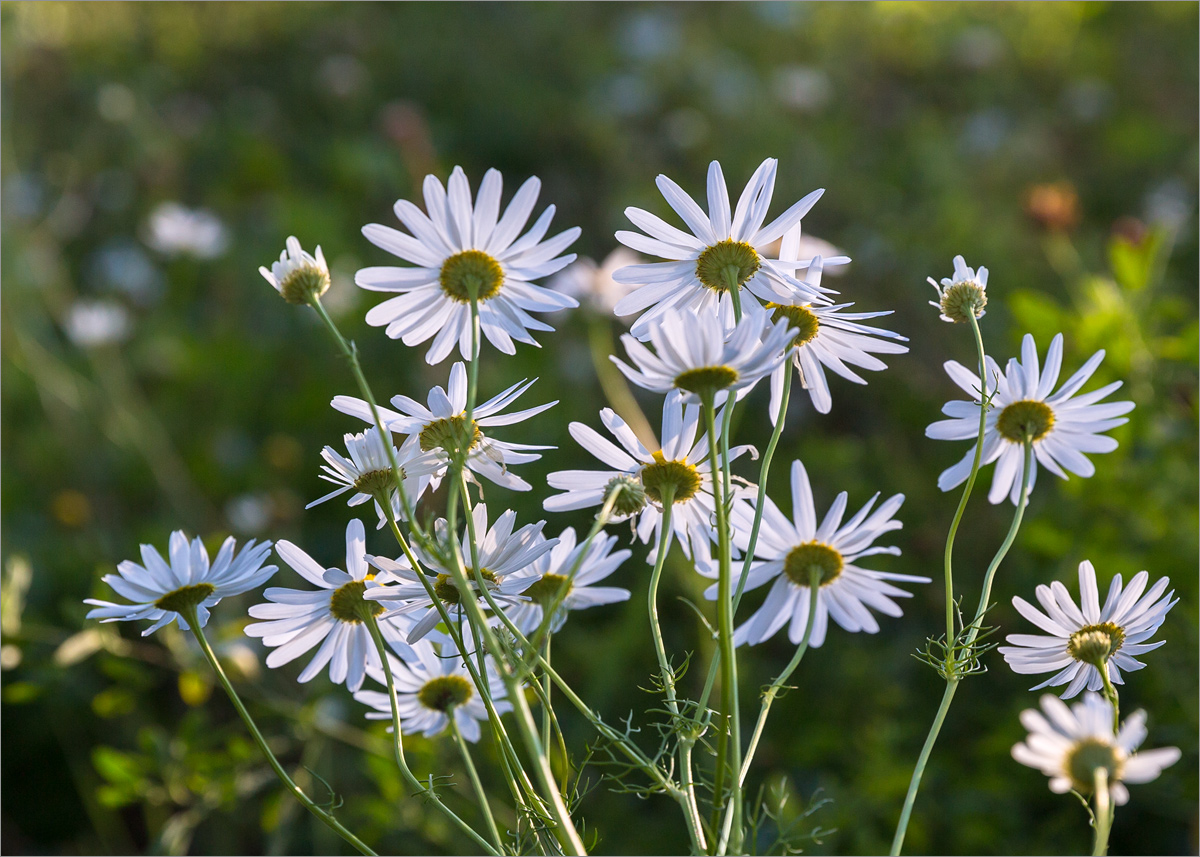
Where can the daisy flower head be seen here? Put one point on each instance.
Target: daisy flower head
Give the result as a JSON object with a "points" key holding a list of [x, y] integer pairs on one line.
{"points": [[693, 354], [441, 427], [1082, 640], [681, 467], [791, 552], [333, 615], [161, 590], [503, 551], [1070, 745], [298, 276], [723, 254], [462, 252], [552, 580], [432, 685], [368, 472], [1062, 426], [824, 336], [963, 295]]}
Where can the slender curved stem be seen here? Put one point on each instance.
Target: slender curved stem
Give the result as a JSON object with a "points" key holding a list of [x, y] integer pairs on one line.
{"points": [[1104, 813], [477, 785], [298, 793], [1111, 695], [922, 760]]}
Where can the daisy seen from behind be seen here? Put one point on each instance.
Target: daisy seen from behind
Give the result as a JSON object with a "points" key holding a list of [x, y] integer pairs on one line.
{"points": [[962, 295], [1061, 426], [1083, 640], [299, 277], [463, 252]]}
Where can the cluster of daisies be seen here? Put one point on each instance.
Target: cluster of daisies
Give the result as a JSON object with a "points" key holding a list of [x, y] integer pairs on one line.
{"points": [[729, 300]]}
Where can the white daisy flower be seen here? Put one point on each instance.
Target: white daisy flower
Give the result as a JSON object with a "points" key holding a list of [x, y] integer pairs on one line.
{"points": [[368, 472], [298, 276], [432, 685], [443, 426], [462, 251], [334, 615], [825, 336], [693, 354], [682, 464], [1070, 744], [1062, 426], [592, 284], [160, 589], [963, 294], [721, 252], [502, 553], [1085, 639], [790, 550], [552, 571]]}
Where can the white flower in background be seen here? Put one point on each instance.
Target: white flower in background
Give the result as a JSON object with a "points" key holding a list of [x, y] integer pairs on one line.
{"points": [[463, 251], [1086, 639], [593, 285], [175, 230], [825, 336], [502, 553], [431, 686], [681, 465], [551, 575], [790, 550], [94, 323], [368, 472], [722, 252], [1062, 426], [299, 276], [963, 294], [160, 589], [1069, 745], [693, 354], [443, 426], [334, 616]]}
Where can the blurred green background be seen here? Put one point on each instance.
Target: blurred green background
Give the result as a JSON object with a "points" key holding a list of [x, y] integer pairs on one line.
{"points": [[155, 154]]}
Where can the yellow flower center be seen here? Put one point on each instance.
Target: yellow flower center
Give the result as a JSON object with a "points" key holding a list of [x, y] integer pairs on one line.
{"points": [[1025, 420], [348, 605], [803, 559], [803, 320], [471, 274], [451, 434], [727, 265], [445, 692], [682, 478]]}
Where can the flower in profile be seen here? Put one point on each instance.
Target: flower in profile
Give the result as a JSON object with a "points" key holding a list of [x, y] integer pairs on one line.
{"points": [[299, 276], [681, 467], [1062, 426], [963, 295], [825, 336], [722, 253], [464, 252], [592, 284], [368, 472], [791, 551], [1071, 744], [442, 427], [1083, 640], [335, 615], [502, 553], [161, 590], [433, 685], [552, 581], [693, 354]]}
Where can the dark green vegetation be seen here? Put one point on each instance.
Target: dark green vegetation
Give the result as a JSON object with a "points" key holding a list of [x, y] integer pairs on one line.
{"points": [[1056, 144]]}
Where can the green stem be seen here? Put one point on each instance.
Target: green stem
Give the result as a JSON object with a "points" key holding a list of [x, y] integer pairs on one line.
{"points": [[1104, 813], [476, 784], [922, 760], [1110, 693], [194, 622]]}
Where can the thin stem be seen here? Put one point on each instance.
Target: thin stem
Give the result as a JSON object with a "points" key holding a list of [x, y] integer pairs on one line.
{"points": [[476, 784], [922, 760], [547, 687], [1104, 813], [333, 824], [1110, 693]]}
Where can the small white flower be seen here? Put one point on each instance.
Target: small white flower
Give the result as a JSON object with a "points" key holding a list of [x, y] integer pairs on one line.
{"points": [[334, 615], [1085, 638], [721, 252], [443, 426], [593, 285], [175, 230], [159, 590], [963, 294], [790, 550], [551, 572], [682, 464], [693, 354], [368, 472], [1062, 426], [95, 323], [502, 553], [298, 276], [1070, 744], [431, 685], [463, 251]]}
